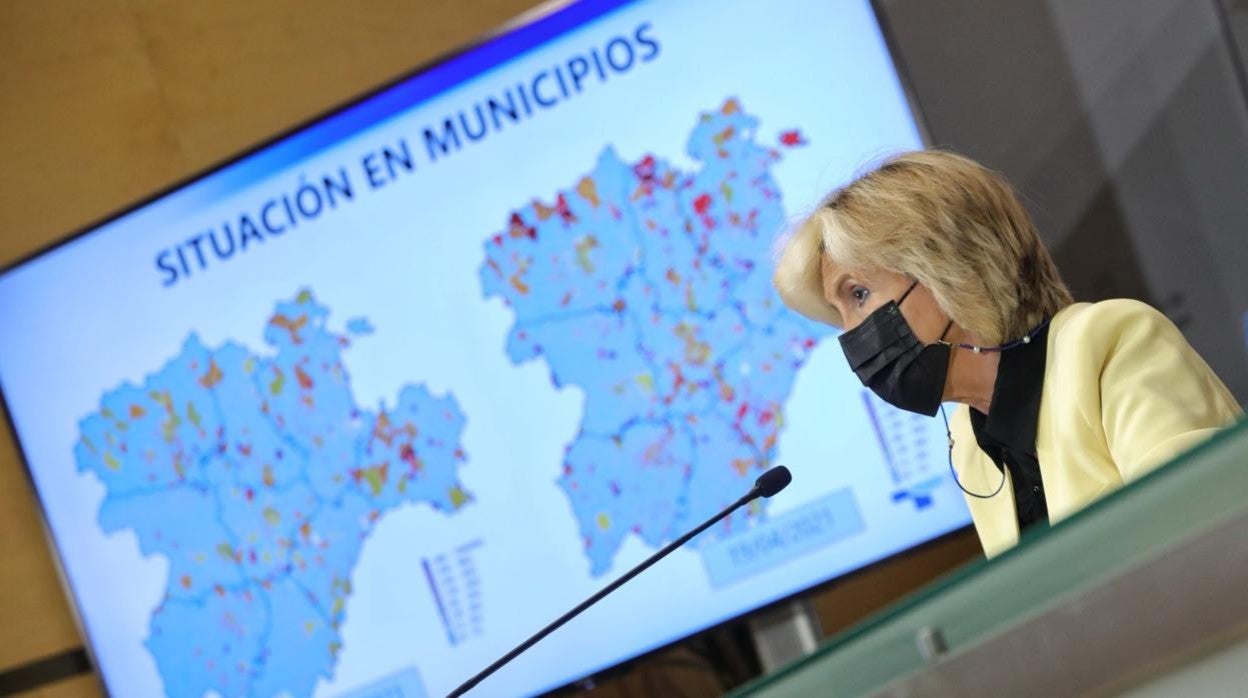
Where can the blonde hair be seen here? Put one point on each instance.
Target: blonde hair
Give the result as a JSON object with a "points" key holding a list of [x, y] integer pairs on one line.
{"points": [[942, 219]]}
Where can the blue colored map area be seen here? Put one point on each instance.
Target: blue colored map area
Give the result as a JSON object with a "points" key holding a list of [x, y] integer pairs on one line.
{"points": [[258, 478], [649, 289]]}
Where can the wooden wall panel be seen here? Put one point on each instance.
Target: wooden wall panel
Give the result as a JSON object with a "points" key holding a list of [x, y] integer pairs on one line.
{"points": [[82, 129], [82, 686]]}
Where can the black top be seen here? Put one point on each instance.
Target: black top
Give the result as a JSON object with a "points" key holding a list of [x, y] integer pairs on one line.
{"points": [[1008, 432]]}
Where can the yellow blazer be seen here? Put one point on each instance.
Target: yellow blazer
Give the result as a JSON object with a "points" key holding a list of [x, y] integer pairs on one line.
{"points": [[1123, 393]]}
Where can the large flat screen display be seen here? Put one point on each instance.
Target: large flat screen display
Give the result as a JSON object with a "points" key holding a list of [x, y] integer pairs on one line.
{"points": [[358, 411]]}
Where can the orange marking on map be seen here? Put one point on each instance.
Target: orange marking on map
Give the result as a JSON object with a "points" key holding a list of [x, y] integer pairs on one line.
{"points": [[305, 381], [291, 326], [212, 377], [543, 211], [589, 190], [382, 430]]}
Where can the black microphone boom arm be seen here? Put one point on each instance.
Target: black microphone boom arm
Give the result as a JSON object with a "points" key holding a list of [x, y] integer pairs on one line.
{"points": [[768, 484]]}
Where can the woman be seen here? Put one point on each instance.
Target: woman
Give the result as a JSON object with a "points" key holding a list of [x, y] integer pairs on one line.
{"points": [[944, 291]]}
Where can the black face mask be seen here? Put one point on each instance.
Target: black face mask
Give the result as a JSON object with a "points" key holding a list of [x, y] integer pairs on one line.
{"points": [[890, 360]]}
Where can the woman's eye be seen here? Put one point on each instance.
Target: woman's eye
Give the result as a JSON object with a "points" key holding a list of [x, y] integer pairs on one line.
{"points": [[860, 294]]}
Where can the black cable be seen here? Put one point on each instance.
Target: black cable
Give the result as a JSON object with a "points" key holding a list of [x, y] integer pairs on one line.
{"points": [[954, 473]]}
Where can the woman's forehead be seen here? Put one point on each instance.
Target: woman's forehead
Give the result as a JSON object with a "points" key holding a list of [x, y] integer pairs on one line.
{"points": [[832, 271]]}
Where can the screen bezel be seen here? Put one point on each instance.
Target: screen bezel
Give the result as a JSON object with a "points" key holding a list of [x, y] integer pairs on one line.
{"points": [[567, 15]]}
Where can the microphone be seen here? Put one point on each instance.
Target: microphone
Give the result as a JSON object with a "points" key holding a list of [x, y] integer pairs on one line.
{"points": [[767, 485], [770, 483]]}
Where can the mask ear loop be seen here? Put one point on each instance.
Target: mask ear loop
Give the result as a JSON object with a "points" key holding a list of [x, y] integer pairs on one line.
{"points": [[949, 435], [903, 296]]}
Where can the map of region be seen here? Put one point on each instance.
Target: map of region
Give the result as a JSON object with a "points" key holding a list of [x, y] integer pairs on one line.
{"points": [[258, 478], [649, 289]]}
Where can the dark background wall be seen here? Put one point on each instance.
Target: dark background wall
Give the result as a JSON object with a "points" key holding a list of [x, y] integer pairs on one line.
{"points": [[1124, 125]]}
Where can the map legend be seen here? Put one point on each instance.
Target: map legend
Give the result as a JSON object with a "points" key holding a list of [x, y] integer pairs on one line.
{"points": [[456, 588], [906, 441]]}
